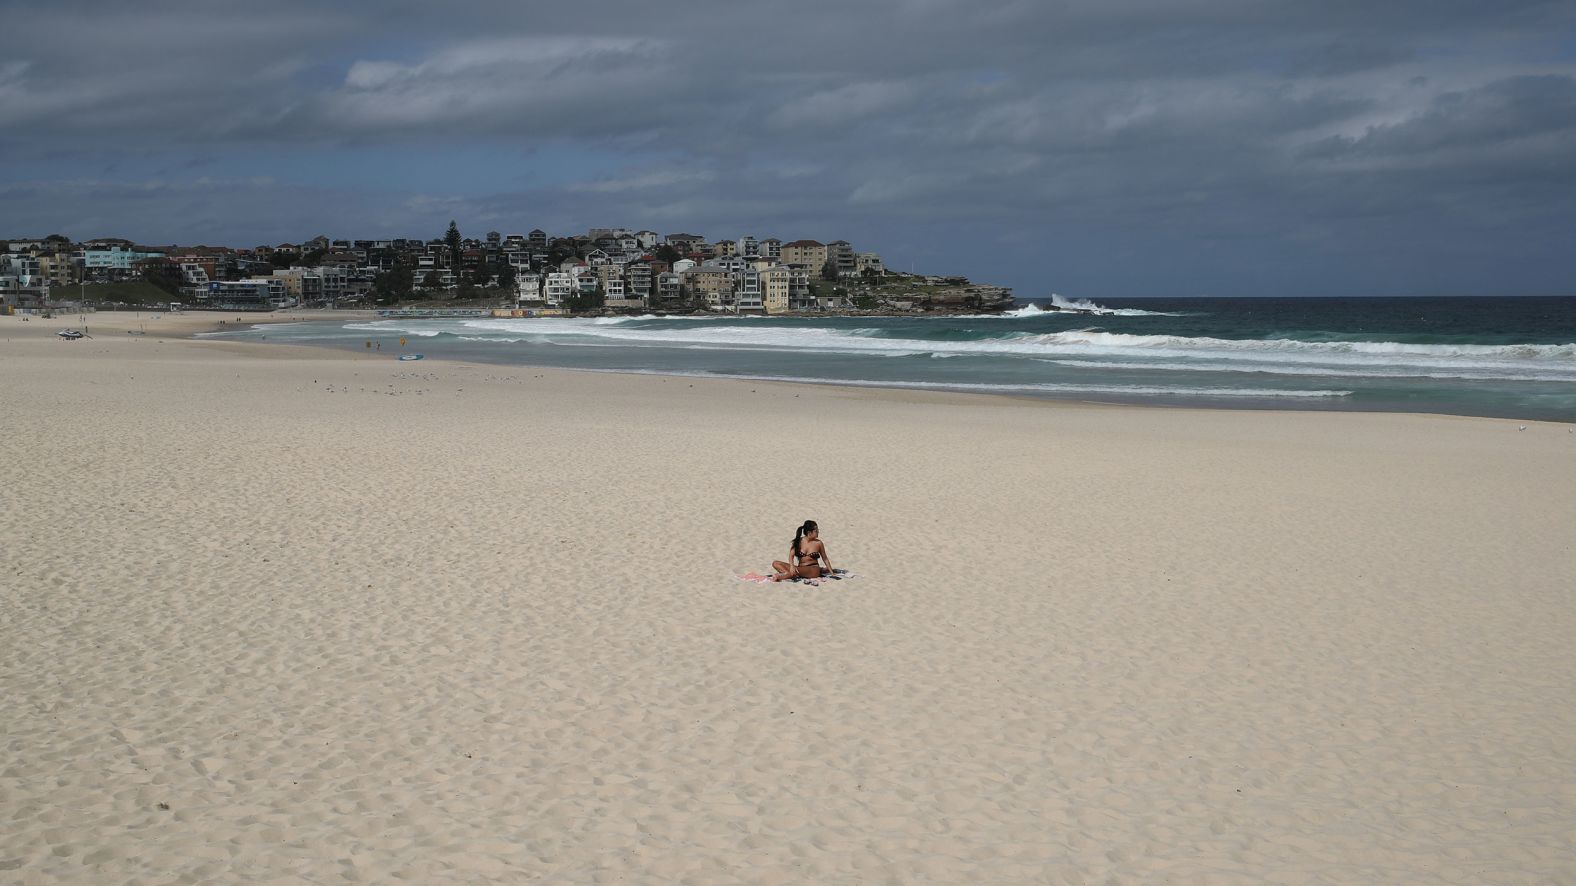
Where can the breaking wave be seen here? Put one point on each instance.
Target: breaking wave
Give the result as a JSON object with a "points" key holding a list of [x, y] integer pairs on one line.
{"points": [[1383, 358], [1036, 388], [1085, 306], [1062, 306]]}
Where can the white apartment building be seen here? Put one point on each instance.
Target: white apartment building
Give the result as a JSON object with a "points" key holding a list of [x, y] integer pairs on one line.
{"points": [[527, 287], [747, 291], [195, 274], [557, 287]]}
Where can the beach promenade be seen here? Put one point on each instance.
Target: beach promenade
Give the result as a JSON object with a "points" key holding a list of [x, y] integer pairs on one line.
{"points": [[281, 615]]}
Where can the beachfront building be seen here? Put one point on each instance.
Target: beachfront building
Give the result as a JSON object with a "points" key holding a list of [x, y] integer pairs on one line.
{"points": [[198, 266], [710, 284], [325, 283], [607, 273], [196, 276], [13, 295], [747, 292], [527, 287], [338, 281], [800, 295], [774, 289], [252, 294], [58, 269], [840, 254], [302, 284], [115, 262], [557, 287], [868, 261], [27, 270], [637, 279], [669, 286], [807, 254]]}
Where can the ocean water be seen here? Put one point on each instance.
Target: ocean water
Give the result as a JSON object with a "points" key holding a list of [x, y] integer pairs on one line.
{"points": [[1509, 357]]}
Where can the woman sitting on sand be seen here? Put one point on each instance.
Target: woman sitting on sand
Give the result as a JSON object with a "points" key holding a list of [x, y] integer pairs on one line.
{"points": [[807, 549]]}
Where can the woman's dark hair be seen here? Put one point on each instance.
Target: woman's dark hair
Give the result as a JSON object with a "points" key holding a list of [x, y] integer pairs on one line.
{"points": [[808, 526]]}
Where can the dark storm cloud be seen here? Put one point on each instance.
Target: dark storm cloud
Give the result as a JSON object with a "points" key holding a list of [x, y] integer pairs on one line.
{"points": [[1511, 122], [1285, 131]]}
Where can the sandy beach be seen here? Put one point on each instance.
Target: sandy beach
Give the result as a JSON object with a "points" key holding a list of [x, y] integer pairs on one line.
{"points": [[281, 615]]}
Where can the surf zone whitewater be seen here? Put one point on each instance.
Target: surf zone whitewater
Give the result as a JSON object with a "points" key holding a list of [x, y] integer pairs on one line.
{"points": [[1513, 357]]}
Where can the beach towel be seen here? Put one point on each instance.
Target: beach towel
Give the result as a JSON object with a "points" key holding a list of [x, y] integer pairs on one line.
{"points": [[835, 575]]}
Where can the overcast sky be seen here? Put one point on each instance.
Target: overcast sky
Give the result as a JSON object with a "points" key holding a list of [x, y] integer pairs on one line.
{"points": [[1087, 147]]}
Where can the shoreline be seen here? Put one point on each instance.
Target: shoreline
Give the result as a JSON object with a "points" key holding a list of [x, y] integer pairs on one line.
{"points": [[1136, 401]]}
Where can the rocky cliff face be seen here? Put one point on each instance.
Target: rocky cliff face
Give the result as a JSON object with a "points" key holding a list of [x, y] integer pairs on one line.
{"points": [[904, 293], [983, 298]]}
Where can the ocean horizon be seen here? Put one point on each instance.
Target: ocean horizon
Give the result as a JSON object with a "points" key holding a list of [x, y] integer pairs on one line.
{"points": [[1505, 356]]}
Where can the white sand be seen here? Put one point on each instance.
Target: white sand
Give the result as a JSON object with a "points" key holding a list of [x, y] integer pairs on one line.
{"points": [[351, 619]]}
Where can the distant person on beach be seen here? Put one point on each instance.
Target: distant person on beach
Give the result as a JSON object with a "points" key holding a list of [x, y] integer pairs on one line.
{"points": [[807, 557]]}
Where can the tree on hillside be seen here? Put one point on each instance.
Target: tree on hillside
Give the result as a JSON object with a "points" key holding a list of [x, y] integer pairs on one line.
{"points": [[559, 254], [452, 240], [433, 280], [394, 285], [579, 302], [666, 253], [165, 276], [506, 278]]}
